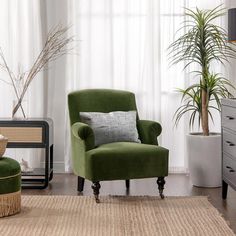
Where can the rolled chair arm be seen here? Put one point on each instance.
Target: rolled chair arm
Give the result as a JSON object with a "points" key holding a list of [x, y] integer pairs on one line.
{"points": [[149, 131], [84, 132]]}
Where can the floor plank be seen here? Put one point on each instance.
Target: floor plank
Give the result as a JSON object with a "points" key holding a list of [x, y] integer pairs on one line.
{"points": [[176, 185]]}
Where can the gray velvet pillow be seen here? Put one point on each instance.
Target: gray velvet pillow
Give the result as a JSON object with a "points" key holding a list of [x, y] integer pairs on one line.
{"points": [[117, 126]]}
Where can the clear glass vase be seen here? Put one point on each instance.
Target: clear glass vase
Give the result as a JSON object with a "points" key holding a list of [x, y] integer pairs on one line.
{"points": [[22, 111]]}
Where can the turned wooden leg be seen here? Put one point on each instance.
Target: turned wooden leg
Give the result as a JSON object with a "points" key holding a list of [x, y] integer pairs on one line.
{"points": [[161, 182], [96, 186], [127, 183], [224, 189], [80, 184]]}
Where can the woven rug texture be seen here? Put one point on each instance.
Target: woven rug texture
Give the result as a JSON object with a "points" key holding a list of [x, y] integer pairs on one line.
{"points": [[115, 215]]}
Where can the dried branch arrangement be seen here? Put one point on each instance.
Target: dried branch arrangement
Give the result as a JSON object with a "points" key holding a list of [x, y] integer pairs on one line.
{"points": [[56, 45]]}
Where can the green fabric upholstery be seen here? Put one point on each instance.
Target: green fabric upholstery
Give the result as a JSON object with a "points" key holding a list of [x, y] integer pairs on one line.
{"points": [[10, 176], [84, 132], [99, 100], [149, 131], [120, 160], [124, 160]]}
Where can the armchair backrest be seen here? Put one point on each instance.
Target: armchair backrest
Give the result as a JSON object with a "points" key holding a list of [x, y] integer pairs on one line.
{"points": [[99, 100]]}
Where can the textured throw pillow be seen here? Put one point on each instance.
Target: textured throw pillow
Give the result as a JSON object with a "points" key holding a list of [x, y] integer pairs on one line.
{"points": [[117, 126]]}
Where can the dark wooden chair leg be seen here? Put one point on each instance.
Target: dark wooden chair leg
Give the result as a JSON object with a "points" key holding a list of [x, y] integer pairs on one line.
{"points": [[96, 186], [80, 186], [161, 182], [127, 183], [224, 189]]}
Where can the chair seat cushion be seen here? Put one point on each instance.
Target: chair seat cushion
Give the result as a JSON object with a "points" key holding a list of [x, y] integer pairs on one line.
{"points": [[126, 160], [10, 176]]}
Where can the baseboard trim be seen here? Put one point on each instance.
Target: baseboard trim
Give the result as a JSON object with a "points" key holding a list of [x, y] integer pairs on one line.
{"points": [[58, 167], [178, 170]]}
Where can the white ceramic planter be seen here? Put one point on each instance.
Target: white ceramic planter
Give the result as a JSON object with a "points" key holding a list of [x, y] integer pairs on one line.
{"points": [[204, 153]]}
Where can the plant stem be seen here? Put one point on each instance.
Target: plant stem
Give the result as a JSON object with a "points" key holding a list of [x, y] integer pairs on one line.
{"points": [[204, 115], [205, 74]]}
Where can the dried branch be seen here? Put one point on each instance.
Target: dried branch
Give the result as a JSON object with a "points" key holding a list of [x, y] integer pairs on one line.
{"points": [[56, 46]]}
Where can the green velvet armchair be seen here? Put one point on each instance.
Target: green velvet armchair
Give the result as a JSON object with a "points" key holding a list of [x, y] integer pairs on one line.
{"points": [[119, 160]]}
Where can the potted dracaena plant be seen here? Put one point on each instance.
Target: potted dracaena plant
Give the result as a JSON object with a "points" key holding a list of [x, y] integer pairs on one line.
{"points": [[203, 44]]}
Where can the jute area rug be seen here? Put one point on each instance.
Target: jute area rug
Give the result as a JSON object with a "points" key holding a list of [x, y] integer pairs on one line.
{"points": [[118, 216]]}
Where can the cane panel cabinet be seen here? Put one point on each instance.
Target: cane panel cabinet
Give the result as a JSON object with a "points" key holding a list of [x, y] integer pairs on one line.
{"points": [[32, 133]]}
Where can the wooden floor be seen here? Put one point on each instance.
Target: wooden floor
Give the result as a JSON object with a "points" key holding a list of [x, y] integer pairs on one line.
{"points": [[176, 185]]}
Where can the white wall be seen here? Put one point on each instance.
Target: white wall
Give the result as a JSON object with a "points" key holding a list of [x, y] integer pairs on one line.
{"points": [[231, 3], [231, 69]]}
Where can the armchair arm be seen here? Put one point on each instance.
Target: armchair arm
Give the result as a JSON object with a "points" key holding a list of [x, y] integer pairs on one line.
{"points": [[82, 140], [149, 131], [84, 132]]}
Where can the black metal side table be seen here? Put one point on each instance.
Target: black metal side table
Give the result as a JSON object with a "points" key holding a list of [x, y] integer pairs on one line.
{"points": [[32, 133]]}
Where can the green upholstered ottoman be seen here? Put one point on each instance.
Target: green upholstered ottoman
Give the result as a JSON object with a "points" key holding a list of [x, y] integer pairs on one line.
{"points": [[10, 187]]}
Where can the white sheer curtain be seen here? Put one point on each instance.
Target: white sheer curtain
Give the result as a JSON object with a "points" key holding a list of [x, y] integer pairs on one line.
{"points": [[122, 44], [20, 41], [119, 48]]}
